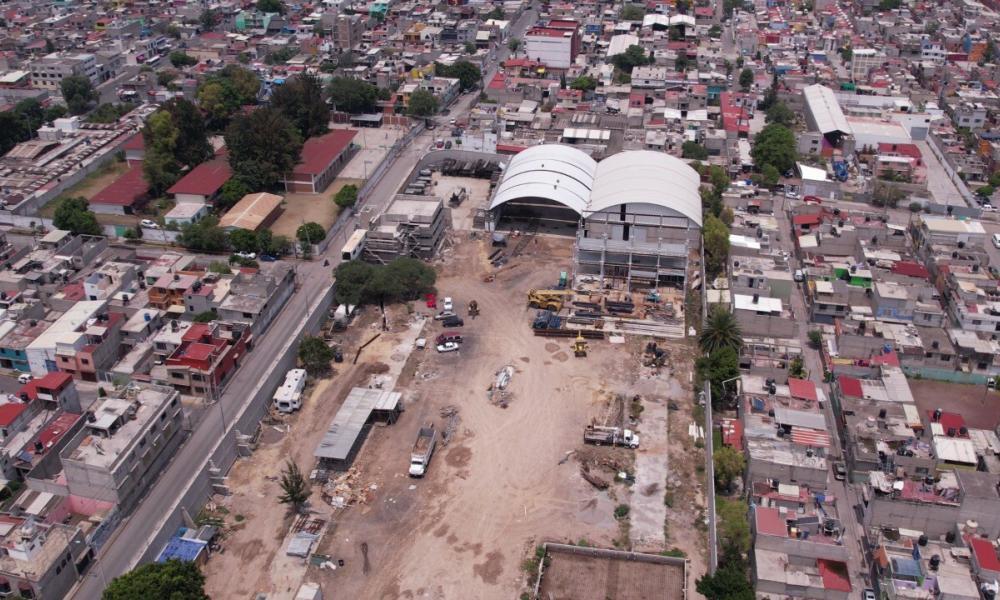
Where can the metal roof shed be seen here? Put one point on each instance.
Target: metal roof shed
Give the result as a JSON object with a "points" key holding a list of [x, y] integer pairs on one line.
{"points": [[350, 426]]}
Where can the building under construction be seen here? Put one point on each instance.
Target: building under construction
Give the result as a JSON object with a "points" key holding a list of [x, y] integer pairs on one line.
{"points": [[636, 215], [411, 225]]}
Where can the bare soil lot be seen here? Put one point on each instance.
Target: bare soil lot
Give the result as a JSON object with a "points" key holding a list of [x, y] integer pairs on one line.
{"points": [[576, 577], [303, 208], [973, 402]]}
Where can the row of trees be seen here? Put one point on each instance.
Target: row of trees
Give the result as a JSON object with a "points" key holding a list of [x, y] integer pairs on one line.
{"points": [[22, 122], [400, 280]]}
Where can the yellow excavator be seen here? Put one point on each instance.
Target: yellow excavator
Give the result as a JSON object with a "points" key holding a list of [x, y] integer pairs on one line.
{"points": [[548, 299]]}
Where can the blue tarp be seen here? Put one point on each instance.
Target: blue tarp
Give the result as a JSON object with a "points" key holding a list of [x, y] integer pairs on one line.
{"points": [[180, 548]]}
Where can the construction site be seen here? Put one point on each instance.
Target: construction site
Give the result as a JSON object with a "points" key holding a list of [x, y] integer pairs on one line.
{"points": [[541, 406]]}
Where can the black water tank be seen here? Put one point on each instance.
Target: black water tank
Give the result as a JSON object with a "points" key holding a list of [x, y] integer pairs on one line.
{"points": [[922, 540]]}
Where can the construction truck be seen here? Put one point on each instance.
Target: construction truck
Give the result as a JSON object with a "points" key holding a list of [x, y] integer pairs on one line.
{"points": [[423, 448], [548, 299], [611, 436]]}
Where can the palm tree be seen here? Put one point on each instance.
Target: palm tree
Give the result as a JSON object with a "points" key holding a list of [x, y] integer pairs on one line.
{"points": [[721, 331], [295, 489]]}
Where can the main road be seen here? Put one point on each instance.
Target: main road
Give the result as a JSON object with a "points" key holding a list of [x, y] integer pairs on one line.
{"points": [[134, 535]]}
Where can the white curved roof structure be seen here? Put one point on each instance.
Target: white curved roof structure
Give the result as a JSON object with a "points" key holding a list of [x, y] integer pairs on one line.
{"points": [[554, 172], [569, 177], [646, 177]]}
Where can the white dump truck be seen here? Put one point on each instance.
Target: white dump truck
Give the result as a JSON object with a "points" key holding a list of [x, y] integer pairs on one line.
{"points": [[288, 397], [422, 451], [611, 436]]}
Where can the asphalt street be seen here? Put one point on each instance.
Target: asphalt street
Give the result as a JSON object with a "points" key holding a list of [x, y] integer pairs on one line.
{"points": [[134, 535]]}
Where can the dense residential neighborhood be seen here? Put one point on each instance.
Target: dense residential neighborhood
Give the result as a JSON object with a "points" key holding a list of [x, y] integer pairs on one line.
{"points": [[304, 301]]}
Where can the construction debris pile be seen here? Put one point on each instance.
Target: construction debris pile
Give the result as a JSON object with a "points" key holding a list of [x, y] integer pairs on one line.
{"points": [[450, 413], [497, 393], [347, 489]]}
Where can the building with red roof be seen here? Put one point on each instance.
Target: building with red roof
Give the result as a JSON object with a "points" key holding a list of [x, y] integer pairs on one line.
{"points": [[322, 158], [123, 196], [134, 148], [202, 184], [207, 355], [985, 562], [56, 390]]}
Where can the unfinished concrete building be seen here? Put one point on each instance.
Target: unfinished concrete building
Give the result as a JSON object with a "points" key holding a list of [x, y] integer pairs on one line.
{"points": [[636, 215], [410, 226]]}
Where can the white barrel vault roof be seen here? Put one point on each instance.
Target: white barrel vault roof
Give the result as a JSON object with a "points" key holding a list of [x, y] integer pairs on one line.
{"points": [[647, 177], [566, 175], [554, 172]]}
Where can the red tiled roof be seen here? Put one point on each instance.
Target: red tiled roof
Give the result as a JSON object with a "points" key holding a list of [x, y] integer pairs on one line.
{"points": [[125, 190], [809, 219], [834, 574], [73, 291], [205, 179], [10, 412], [889, 358], [57, 428], [732, 433], [54, 380], [769, 521], [134, 143], [911, 269], [802, 388], [497, 83], [319, 152], [850, 386], [949, 420], [985, 553]]}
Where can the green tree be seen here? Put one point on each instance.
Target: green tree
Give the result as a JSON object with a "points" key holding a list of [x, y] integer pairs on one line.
{"points": [[222, 94], [797, 369], [682, 6], [271, 6], [496, 14], [263, 146], [402, 279], [181, 59], [160, 166], [721, 331], [715, 236], [422, 104], [311, 233], [728, 583], [170, 580], [206, 316], [315, 355], [718, 178], [203, 236], [846, 54], [79, 93], [294, 487], [584, 83], [193, 146], [746, 79], [985, 191], [774, 145], [352, 277], [243, 240], [780, 113], [768, 177], [728, 465], [31, 112], [468, 74], [513, 44], [470, 48], [232, 192], [353, 95], [208, 19], [634, 56], [632, 12], [347, 196], [13, 131], [301, 100], [889, 4], [693, 150], [721, 365], [734, 528], [815, 339], [715, 32], [74, 215]]}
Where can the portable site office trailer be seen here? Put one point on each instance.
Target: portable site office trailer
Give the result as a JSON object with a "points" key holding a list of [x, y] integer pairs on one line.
{"points": [[288, 398]]}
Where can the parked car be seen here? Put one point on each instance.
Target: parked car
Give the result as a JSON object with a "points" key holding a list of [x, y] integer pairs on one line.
{"points": [[268, 258], [24, 378], [447, 347], [448, 304], [868, 594], [799, 275], [989, 207], [444, 338], [247, 255], [839, 471], [148, 224], [431, 300], [444, 314], [996, 240], [453, 322]]}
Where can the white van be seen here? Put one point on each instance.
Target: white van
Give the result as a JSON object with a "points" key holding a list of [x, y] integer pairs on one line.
{"points": [[996, 240]]}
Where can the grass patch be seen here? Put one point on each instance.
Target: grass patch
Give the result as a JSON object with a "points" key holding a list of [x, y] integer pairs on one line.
{"points": [[716, 438], [674, 552], [239, 518], [621, 511], [668, 499], [88, 186], [531, 564]]}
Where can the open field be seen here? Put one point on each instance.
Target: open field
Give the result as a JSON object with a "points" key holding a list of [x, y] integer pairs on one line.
{"points": [[303, 208], [975, 403], [89, 186], [577, 577]]}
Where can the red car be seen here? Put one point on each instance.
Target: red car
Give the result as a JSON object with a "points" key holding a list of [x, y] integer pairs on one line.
{"points": [[431, 300]]}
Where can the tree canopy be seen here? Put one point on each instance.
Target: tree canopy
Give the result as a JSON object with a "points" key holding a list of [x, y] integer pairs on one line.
{"points": [[746, 79], [222, 94], [780, 113], [728, 463], [79, 93], [721, 365], [74, 215], [181, 59], [271, 6], [203, 236], [468, 74], [721, 331], [632, 12], [170, 580], [402, 279], [263, 146], [775, 145], [315, 355], [301, 100], [715, 236], [694, 150], [175, 137], [312, 233], [728, 583], [584, 83], [634, 56], [353, 95], [346, 196], [422, 104]]}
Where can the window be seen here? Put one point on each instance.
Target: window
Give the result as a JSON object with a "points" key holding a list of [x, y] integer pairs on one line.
{"points": [[85, 361], [177, 375]]}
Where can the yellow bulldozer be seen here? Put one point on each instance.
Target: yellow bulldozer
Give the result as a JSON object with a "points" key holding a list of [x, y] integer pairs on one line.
{"points": [[548, 299]]}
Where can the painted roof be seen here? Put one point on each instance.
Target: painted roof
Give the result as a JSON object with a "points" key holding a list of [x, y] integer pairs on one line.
{"points": [[318, 152], [205, 179]]}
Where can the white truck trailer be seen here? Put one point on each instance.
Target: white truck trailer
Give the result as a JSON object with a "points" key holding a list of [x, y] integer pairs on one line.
{"points": [[288, 397]]}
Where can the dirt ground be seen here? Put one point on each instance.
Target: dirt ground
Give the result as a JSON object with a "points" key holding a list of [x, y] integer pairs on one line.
{"points": [[374, 145], [478, 191], [89, 186], [303, 208], [974, 402], [572, 577]]}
